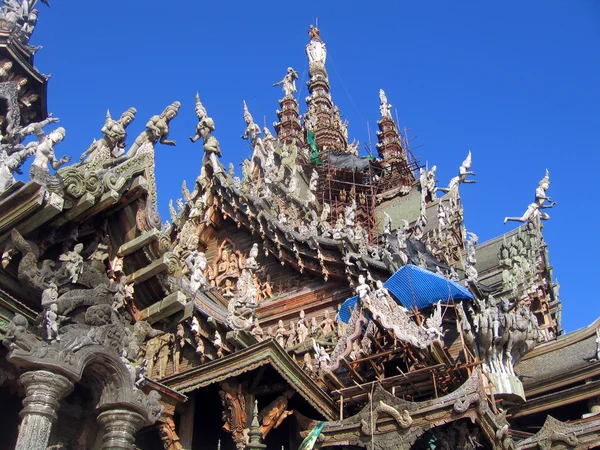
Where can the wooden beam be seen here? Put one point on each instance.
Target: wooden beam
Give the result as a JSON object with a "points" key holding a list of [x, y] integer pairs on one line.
{"points": [[164, 308], [138, 243]]}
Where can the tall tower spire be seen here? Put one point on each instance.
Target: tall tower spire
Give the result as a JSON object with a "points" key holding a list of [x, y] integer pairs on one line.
{"points": [[323, 122], [397, 171]]}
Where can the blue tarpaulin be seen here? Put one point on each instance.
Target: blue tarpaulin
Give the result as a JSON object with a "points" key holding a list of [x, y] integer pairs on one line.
{"points": [[414, 286]]}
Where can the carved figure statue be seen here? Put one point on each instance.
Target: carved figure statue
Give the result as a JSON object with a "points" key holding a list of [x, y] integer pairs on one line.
{"points": [[52, 321], [288, 82], [196, 262], [534, 210], [204, 129], [463, 172], [274, 413], [111, 145], [314, 33], [384, 106], [157, 130], [257, 331], [327, 324], [363, 289], [73, 262], [234, 411], [302, 330], [251, 262], [10, 165], [44, 156], [252, 132], [281, 334]]}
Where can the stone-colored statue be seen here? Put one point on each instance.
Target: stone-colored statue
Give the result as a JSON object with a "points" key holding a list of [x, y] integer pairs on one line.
{"points": [[281, 334], [288, 82], [44, 156], [52, 318], [384, 106], [157, 130], [363, 289], [315, 50], [196, 263], [73, 262], [10, 165], [111, 145], [252, 132], [463, 172], [49, 295], [251, 262], [534, 210], [204, 129]]}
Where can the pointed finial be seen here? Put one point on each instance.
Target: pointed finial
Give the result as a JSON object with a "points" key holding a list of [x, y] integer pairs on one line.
{"points": [[247, 116], [546, 179]]}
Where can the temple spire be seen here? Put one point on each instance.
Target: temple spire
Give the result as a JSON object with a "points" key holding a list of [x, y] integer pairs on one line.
{"points": [[389, 146], [322, 121]]}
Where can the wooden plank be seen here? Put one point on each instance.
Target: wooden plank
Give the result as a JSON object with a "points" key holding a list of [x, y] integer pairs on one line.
{"points": [[145, 273], [137, 243], [166, 307], [82, 205]]}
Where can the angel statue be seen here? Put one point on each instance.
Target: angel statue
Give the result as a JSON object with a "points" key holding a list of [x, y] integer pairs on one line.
{"points": [[433, 324], [463, 172], [384, 106], [44, 156], [534, 209], [288, 82], [205, 128]]}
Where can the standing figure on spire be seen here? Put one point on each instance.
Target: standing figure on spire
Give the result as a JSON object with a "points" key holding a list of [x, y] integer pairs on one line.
{"points": [[534, 209], [384, 106], [314, 33], [288, 82], [315, 50]]}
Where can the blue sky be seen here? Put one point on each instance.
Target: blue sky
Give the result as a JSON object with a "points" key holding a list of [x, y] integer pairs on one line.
{"points": [[515, 82]]}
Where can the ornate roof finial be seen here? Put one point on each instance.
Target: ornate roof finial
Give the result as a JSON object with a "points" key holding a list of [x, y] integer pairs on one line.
{"points": [[384, 106], [314, 33], [247, 116], [545, 180]]}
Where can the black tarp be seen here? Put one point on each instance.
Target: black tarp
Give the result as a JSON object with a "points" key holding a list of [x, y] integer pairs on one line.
{"points": [[348, 162]]}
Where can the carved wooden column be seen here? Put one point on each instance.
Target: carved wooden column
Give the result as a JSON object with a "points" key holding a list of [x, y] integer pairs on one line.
{"points": [[44, 391], [120, 426]]}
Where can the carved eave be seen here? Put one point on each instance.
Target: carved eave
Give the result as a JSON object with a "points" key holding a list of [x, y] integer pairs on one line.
{"points": [[415, 418], [300, 252], [27, 207], [581, 434], [21, 54], [264, 353]]}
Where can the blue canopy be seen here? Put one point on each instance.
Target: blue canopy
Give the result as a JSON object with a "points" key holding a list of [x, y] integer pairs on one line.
{"points": [[414, 286]]}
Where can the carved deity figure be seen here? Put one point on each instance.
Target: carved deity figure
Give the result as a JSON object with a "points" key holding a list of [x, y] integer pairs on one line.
{"points": [[252, 132], [302, 328], [463, 172], [204, 129], [534, 210], [157, 130], [111, 145], [73, 262], [44, 156], [196, 263], [315, 50], [281, 334], [51, 318], [274, 413], [234, 411], [363, 289], [327, 325], [10, 165], [288, 82], [384, 106]]}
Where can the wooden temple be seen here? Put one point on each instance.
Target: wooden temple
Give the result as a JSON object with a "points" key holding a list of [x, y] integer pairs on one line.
{"points": [[323, 300]]}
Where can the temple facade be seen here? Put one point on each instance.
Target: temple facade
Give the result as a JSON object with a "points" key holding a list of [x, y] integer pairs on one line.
{"points": [[323, 300]]}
